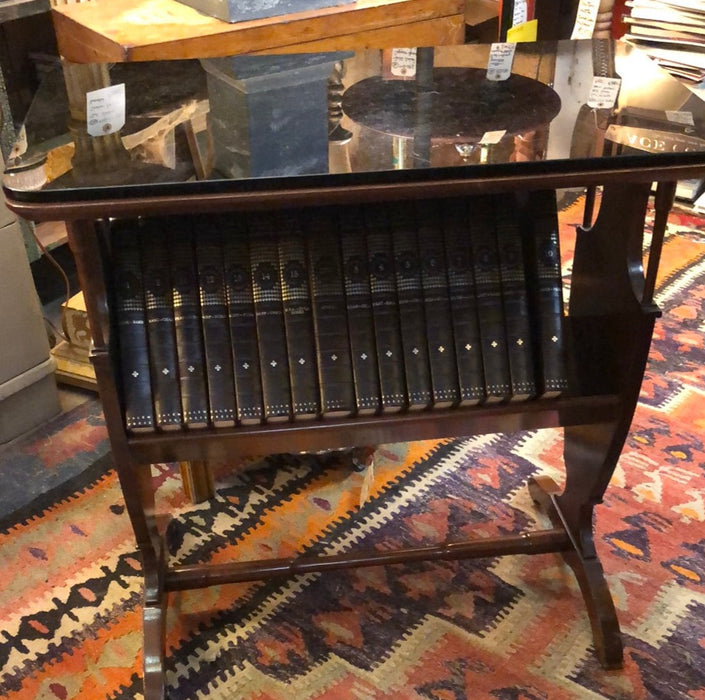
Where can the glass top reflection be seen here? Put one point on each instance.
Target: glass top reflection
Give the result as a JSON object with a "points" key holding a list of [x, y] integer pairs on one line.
{"points": [[243, 122]]}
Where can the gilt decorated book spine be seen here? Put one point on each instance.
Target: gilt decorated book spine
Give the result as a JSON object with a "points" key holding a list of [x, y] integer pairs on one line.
{"points": [[514, 299], [363, 352], [441, 343], [298, 316], [243, 327], [160, 324], [187, 324], [269, 314], [463, 302], [215, 324], [385, 309], [131, 327], [410, 300], [488, 292], [330, 320], [543, 264]]}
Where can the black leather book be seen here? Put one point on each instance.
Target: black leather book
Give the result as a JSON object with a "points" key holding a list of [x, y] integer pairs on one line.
{"points": [[385, 309], [361, 331], [488, 292], [243, 327], [187, 324], [410, 300], [543, 266], [215, 323], [159, 310], [463, 303], [439, 328], [514, 298], [298, 316], [335, 378], [269, 315], [131, 327]]}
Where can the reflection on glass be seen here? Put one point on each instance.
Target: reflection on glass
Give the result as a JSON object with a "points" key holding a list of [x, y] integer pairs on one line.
{"points": [[200, 125]]}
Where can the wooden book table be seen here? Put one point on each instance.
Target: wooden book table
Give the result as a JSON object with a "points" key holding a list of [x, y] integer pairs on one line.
{"points": [[246, 139]]}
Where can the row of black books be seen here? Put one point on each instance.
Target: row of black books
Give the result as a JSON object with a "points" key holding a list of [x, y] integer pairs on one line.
{"points": [[337, 311]]}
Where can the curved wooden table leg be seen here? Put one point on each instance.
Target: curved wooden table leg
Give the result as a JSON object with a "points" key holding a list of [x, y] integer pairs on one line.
{"points": [[154, 621], [154, 624], [591, 579]]}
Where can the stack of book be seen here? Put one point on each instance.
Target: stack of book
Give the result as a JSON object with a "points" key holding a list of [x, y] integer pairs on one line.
{"points": [[335, 312], [672, 32]]}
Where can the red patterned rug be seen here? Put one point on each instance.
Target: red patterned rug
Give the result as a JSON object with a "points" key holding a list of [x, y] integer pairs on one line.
{"points": [[503, 629]]}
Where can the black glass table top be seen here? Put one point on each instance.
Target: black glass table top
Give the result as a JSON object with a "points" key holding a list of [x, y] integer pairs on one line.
{"points": [[245, 123]]}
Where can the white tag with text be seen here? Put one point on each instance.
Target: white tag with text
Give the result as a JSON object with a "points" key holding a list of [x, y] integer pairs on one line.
{"points": [[403, 62], [604, 92], [105, 110], [499, 66], [520, 13], [584, 26]]}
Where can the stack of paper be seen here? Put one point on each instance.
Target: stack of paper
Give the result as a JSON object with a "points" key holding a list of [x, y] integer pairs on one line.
{"points": [[672, 32]]}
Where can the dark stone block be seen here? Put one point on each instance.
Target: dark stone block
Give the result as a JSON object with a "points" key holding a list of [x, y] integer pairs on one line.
{"points": [[242, 10], [269, 114]]}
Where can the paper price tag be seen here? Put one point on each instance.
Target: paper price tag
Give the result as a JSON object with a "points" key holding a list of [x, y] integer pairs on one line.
{"points": [[490, 137], [585, 19], [403, 62], [499, 66], [680, 117], [20, 146], [604, 92], [105, 110], [520, 13]]}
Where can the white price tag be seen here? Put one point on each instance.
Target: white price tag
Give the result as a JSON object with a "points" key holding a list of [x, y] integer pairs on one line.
{"points": [[403, 63], [105, 110], [585, 19], [520, 13], [490, 137], [499, 66], [603, 92], [680, 117], [20, 146]]}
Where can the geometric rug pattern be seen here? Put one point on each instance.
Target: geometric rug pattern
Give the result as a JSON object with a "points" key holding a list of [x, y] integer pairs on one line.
{"points": [[510, 628]]}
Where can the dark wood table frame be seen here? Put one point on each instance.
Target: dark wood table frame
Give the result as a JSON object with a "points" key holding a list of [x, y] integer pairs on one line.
{"points": [[610, 324]]}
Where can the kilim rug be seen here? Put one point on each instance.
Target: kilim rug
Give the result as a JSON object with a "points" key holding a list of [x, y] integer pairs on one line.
{"points": [[503, 629]]}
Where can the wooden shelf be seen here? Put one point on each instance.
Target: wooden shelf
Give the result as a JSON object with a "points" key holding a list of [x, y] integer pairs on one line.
{"points": [[139, 30], [315, 435]]}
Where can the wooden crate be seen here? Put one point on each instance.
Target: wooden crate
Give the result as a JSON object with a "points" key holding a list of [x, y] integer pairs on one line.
{"points": [[141, 30]]}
